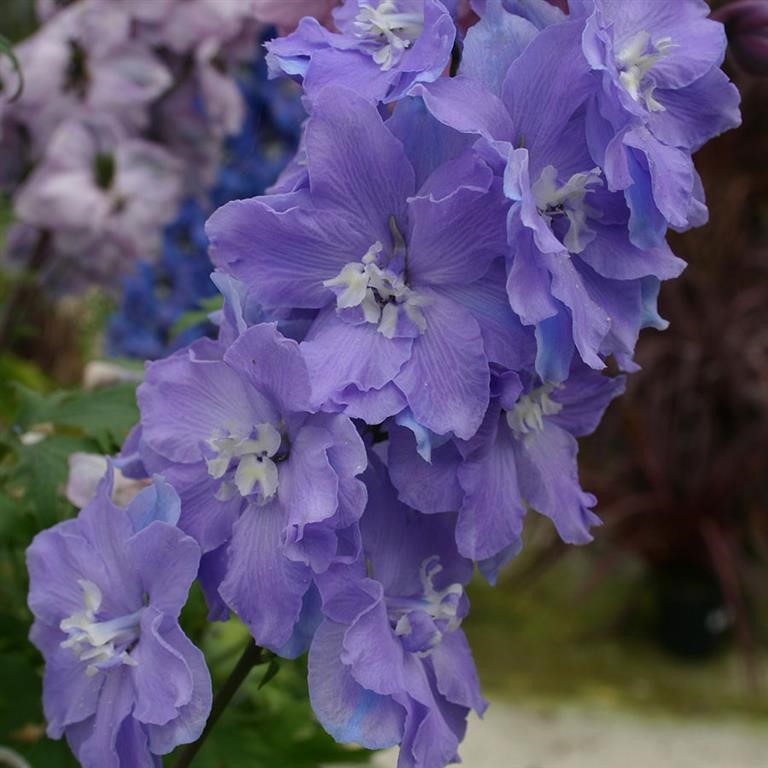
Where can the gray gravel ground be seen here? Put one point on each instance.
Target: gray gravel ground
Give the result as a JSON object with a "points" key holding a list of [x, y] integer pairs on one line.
{"points": [[582, 738]]}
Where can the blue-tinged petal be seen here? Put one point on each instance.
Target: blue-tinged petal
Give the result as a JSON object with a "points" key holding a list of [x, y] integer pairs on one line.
{"points": [[528, 281], [465, 105], [505, 339], [549, 482], [309, 620], [554, 346], [590, 321], [339, 354], [455, 237], [492, 44], [187, 726], [491, 515], [261, 586], [356, 166], [429, 486], [284, 255], [166, 562], [584, 398], [349, 712], [161, 678], [273, 364], [671, 172], [158, 502], [446, 380]]}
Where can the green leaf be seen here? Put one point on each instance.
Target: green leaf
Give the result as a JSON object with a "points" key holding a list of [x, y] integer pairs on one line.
{"points": [[6, 49], [104, 414], [195, 317], [44, 467], [272, 670]]}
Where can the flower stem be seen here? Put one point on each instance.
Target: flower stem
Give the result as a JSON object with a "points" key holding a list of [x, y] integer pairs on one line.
{"points": [[252, 656], [22, 289]]}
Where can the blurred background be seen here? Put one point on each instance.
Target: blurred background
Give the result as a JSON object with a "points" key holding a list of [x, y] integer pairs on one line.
{"points": [[646, 648]]}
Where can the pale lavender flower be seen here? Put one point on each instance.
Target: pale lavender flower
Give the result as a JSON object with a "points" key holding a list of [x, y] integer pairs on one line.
{"points": [[122, 681], [104, 195]]}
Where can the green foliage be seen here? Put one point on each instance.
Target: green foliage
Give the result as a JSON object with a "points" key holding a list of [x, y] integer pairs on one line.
{"points": [[196, 317], [6, 51]]}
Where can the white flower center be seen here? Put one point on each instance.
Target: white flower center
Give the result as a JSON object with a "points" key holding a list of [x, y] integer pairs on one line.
{"points": [[635, 59], [440, 605], [568, 200], [251, 455], [103, 644], [528, 413], [390, 32], [381, 294]]}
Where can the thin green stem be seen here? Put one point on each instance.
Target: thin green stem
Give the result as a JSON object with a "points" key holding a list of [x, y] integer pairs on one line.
{"points": [[252, 656]]}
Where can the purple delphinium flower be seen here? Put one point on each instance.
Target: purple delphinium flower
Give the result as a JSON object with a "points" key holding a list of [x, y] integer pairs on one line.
{"points": [[572, 271], [389, 664], [410, 305], [384, 47], [524, 453], [662, 96], [122, 681], [256, 470]]}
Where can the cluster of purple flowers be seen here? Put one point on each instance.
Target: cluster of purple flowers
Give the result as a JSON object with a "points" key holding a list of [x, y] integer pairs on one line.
{"points": [[123, 114], [156, 296], [416, 324]]}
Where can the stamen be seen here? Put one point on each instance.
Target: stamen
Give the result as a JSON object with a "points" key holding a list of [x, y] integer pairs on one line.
{"points": [[635, 60], [252, 456], [422, 620], [103, 644], [387, 32], [568, 200], [527, 415], [380, 293]]}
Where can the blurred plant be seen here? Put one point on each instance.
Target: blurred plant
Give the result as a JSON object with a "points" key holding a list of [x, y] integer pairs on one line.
{"points": [[680, 468], [155, 298], [127, 105], [746, 24]]}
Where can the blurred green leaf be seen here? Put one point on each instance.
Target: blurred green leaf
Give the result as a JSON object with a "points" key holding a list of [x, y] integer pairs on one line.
{"points": [[196, 317], [6, 50]]}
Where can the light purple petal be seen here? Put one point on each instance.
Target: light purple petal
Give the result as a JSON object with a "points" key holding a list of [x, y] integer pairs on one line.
{"points": [[263, 587], [356, 165], [446, 380], [349, 712]]}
